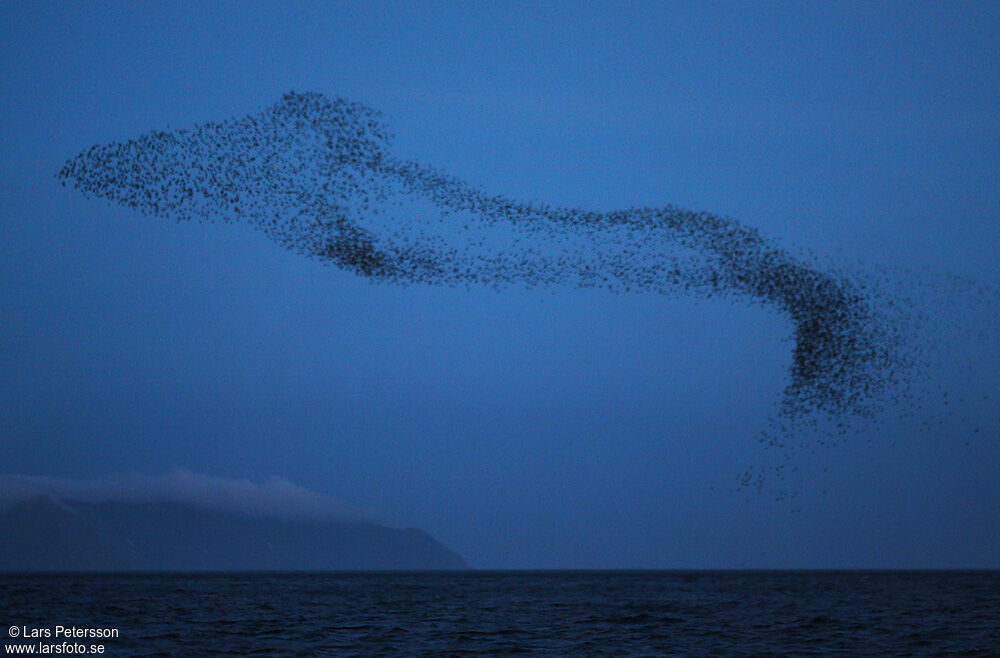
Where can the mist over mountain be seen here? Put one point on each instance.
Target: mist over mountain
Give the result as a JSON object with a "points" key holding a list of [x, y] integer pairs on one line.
{"points": [[66, 525]]}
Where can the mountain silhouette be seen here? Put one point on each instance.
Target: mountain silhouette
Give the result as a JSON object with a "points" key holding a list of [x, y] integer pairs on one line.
{"points": [[46, 533]]}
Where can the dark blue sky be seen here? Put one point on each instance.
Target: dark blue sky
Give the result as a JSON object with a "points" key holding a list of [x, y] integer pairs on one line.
{"points": [[552, 427]]}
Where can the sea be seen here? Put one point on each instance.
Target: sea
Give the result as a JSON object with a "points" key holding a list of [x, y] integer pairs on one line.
{"points": [[482, 613]]}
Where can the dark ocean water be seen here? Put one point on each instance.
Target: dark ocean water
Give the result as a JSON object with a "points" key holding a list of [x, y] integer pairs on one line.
{"points": [[533, 613]]}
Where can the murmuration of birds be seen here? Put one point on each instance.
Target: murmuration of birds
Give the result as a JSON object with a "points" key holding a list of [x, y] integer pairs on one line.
{"points": [[318, 176]]}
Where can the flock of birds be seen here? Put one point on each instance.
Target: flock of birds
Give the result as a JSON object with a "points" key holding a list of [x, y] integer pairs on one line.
{"points": [[317, 176]]}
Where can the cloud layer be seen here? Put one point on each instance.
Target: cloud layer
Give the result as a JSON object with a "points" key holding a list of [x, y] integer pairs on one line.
{"points": [[274, 497]]}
